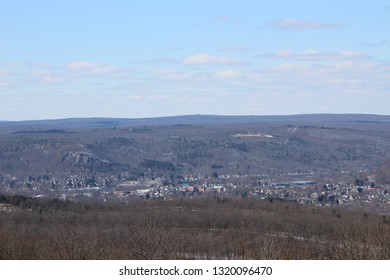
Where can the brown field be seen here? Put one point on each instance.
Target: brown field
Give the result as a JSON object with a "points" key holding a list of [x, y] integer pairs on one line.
{"points": [[188, 229]]}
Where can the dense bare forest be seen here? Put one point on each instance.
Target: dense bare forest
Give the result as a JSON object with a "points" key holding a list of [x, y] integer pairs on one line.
{"points": [[188, 229]]}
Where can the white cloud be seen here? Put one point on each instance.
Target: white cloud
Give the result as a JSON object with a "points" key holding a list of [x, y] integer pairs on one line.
{"points": [[164, 71], [171, 74], [91, 67], [47, 76], [320, 55], [326, 79], [228, 74], [299, 24], [41, 72], [4, 72], [209, 59], [342, 81]]}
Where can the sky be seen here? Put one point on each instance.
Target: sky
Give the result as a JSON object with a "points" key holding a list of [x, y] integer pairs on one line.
{"points": [[150, 58]]}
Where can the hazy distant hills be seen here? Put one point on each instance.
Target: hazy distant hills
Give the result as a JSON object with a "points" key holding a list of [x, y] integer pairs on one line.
{"points": [[195, 144], [192, 120]]}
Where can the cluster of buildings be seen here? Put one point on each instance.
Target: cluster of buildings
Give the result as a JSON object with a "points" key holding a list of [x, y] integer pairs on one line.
{"points": [[116, 189]]}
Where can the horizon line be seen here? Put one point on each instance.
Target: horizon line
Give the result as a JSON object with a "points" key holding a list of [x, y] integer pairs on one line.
{"points": [[194, 115]]}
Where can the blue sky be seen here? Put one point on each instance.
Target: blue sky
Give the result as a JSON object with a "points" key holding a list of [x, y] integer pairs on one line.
{"points": [[144, 58]]}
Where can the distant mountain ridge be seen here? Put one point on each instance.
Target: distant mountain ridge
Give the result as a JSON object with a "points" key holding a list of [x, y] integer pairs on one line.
{"points": [[279, 149], [193, 120]]}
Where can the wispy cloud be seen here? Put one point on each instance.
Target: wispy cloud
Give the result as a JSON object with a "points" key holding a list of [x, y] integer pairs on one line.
{"points": [[48, 76], [223, 18], [5, 72], [319, 55], [226, 19], [341, 85], [203, 58], [299, 24], [228, 74], [171, 74], [374, 44], [91, 67], [41, 72]]}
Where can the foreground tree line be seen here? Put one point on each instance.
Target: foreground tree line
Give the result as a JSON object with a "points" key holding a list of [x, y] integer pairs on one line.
{"points": [[188, 229]]}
